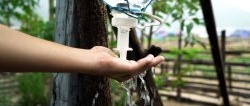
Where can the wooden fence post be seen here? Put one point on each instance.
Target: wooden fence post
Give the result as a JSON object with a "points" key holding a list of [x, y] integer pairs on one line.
{"points": [[82, 24], [229, 77], [207, 10]]}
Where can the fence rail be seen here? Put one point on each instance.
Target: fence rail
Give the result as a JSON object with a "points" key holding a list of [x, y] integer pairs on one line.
{"points": [[231, 76]]}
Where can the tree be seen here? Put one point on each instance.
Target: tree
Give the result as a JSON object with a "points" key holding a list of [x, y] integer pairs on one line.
{"points": [[176, 11], [23, 11], [184, 12], [80, 23], [51, 9], [16, 9]]}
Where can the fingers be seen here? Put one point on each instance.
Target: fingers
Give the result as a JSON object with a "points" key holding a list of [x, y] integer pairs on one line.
{"points": [[148, 62], [122, 70], [157, 60], [144, 64], [140, 66]]}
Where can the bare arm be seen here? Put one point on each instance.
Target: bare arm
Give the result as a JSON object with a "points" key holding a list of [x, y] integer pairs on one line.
{"points": [[20, 52]]}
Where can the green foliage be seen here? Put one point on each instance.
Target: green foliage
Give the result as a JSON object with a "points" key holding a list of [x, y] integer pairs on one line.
{"points": [[31, 22], [32, 87], [160, 80], [16, 9], [240, 59], [4, 100], [37, 27], [112, 44], [118, 94], [183, 11], [34, 25], [186, 53], [178, 82]]}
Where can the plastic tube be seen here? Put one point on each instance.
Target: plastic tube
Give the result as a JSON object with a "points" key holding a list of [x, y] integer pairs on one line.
{"points": [[123, 42], [123, 23]]}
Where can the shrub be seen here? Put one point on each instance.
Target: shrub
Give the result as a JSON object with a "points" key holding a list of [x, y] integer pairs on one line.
{"points": [[32, 87]]}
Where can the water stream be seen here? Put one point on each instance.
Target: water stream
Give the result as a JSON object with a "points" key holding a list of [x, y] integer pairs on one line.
{"points": [[144, 91], [95, 98], [131, 84], [97, 94]]}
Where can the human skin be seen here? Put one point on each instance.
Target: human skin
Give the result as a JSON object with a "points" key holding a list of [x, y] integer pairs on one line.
{"points": [[20, 52]]}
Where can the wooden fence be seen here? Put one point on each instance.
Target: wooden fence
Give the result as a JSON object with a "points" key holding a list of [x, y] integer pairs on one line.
{"points": [[8, 88], [204, 89]]}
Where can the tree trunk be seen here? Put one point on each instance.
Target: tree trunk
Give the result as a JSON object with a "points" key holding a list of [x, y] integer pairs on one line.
{"points": [[179, 63], [207, 10], [51, 9], [138, 53], [151, 32], [80, 23]]}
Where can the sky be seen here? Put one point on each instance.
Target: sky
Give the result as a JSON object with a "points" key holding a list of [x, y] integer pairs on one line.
{"points": [[43, 9], [232, 13], [229, 14]]}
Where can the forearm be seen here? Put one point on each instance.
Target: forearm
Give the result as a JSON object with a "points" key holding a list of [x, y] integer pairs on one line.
{"points": [[21, 52]]}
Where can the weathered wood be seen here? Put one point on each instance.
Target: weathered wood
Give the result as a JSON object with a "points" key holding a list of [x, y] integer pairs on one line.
{"points": [[234, 72], [214, 78], [235, 52], [178, 62], [188, 100], [8, 85], [223, 46], [137, 54], [151, 32], [210, 88], [206, 62], [80, 23], [51, 9], [239, 52], [207, 10]]}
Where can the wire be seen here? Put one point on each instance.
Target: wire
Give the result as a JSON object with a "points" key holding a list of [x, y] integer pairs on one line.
{"points": [[153, 17], [138, 14], [159, 23], [128, 5]]}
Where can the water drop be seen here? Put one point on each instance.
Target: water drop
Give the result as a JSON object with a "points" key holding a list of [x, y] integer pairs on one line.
{"points": [[95, 98]]}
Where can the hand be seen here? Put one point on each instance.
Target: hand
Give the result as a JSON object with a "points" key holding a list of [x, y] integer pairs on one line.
{"points": [[121, 70], [23, 53]]}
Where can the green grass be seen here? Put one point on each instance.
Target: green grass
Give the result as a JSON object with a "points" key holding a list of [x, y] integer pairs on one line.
{"points": [[241, 59], [32, 87], [4, 100]]}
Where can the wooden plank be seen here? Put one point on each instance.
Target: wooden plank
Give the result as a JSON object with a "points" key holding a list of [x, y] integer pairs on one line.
{"points": [[206, 62], [187, 97], [235, 52], [211, 89]]}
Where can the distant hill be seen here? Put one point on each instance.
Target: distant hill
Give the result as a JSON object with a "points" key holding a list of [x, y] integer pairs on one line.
{"points": [[241, 33]]}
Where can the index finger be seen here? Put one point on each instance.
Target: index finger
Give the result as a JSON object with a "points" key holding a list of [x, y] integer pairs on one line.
{"points": [[148, 62]]}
